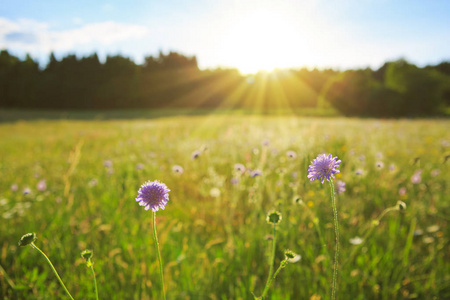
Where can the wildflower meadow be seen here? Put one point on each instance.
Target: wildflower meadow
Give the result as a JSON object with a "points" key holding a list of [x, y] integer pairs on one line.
{"points": [[234, 206]]}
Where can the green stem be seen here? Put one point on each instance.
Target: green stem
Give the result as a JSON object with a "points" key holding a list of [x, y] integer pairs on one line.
{"points": [[95, 282], [159, 255], [269, 282], [53, 268], [272, 261], [336, 232]]}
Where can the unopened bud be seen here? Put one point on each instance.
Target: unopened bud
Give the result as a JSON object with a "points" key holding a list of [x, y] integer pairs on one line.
{"points": [[27, 239], [86, 254], [401, 205], [291, 256], [273, 217]]}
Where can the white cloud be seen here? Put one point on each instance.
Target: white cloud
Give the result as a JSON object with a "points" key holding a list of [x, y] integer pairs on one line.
{"points": [[38, 37]]}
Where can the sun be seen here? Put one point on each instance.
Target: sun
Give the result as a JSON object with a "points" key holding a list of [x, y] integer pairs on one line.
{"points": [[263, 40]]}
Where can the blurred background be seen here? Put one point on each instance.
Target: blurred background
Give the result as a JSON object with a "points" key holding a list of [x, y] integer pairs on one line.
{"points": [[369, 58]]}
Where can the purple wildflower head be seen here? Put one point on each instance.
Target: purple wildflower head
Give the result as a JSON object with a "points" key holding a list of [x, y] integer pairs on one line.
{"points": [[402, 191], [255, 173], [178, 169], [239, 167], [323, 167], [416, 178], [291, 154], [340, 187], [153, 195], [195, 154], [42, 185], [379, 164]]}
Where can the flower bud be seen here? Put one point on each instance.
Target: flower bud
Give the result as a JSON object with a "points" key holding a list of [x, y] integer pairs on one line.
{"points": [[401, 205], [273, 217], [291, 256], [27, 239], [86, 254]]}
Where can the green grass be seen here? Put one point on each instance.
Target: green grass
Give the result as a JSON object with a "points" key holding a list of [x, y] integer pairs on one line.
{"points": [[214, 245]]}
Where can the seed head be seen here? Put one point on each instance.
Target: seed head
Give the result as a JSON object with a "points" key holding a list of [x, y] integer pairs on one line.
{"points": [[291, 256], [273, 217], [27, 239], [401, 205], [87, 254]]}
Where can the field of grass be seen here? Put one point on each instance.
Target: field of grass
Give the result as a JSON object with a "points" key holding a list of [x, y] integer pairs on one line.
{"points": [[214, 238]]}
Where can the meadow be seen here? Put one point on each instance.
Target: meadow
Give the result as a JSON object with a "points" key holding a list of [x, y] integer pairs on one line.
{"points": [[74, 181]]}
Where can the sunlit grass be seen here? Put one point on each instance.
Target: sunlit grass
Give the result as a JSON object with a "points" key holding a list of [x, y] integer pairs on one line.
{"points": [[213, 233]]}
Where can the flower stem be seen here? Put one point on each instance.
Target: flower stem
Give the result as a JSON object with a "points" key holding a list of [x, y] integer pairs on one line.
{"points": [[159, 255], [272, 261], [336, 232], [269, 283], [53, 268], [95, 282]]}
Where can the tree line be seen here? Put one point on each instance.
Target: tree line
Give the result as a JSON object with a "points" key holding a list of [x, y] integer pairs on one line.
{"points": [[173, 80]]}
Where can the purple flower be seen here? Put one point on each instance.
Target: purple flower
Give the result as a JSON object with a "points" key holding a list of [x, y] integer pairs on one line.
{"points": [[379, 164], [178, 169], [26, 191], [255, 173], [323, 167], [402, 191], [153, 195], [42, 186], [107, 163], [195, 154], [239, 167], [14, 187], [139, 166], [291, 154], [340, 187], [234, 180], [416, 178]]}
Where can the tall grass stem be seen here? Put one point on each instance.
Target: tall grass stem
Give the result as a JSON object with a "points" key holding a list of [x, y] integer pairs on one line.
{"points": [[53, 268]]}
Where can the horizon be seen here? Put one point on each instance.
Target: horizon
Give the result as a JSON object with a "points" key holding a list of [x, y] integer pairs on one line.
{"points": [[243, 35]]}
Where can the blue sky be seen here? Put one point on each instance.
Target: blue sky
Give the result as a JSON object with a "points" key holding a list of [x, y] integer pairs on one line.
{"points": [[249, 35]]}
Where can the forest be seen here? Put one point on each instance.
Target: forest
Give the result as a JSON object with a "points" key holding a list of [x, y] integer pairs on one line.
{"points": [[172, 80]]}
